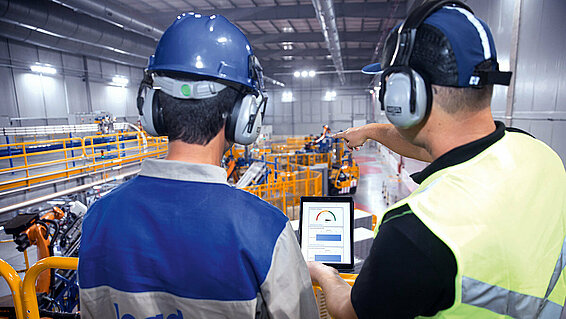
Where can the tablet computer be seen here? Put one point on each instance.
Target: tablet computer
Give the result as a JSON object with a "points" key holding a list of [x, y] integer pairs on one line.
{"points": [[326, 230]]}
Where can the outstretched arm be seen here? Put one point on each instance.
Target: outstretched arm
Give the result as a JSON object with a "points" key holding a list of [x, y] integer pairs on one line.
{"points": [[337, 291], [385, 134]]}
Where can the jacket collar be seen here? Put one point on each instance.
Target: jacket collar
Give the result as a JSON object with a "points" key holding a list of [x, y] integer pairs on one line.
{"points": [[183, 171]]}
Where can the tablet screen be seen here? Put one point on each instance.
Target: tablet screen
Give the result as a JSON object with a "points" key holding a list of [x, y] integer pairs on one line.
{"points": [[325, 230]]}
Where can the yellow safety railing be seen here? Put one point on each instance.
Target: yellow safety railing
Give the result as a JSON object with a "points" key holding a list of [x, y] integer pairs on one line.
{"points": [[289, 162], [25, 253], [73, 156], [292, 144], [15, 284], [321, 298], [29, 299], [285, 192]]}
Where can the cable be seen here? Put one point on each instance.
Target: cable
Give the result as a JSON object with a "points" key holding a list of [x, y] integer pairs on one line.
{"points": [[56, 233], [50, 247]]}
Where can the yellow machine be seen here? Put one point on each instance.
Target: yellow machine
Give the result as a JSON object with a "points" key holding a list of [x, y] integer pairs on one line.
{"points": [[343, 179]]}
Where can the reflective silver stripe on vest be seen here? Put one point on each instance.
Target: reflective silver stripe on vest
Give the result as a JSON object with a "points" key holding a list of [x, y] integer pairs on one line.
{"points": [[560, 264], [507, 302]]}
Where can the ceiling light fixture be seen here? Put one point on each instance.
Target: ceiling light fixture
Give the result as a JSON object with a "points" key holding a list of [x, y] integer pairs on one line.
{"points": [[330, 95], [305, 73], [287, 96], [119, 80], [43, 69]]}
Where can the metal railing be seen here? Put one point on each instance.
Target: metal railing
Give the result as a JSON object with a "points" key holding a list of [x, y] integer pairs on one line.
{"points": [[291, 144], [15, 285], [289, 162], [27, 163], [29, 299], [285, 191]]}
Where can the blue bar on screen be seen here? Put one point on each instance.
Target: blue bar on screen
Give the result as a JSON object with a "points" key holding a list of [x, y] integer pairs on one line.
{"points": [[327, 258], [323, 237]]}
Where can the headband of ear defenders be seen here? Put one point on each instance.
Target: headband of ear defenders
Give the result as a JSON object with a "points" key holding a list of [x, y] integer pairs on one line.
{"points": [[197, 90]]}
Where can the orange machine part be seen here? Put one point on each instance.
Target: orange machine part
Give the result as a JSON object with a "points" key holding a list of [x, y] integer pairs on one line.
{"points": [[36, 235]]}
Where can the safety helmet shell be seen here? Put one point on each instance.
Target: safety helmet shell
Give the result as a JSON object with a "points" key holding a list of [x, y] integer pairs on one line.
{"points": [[205, 45]]}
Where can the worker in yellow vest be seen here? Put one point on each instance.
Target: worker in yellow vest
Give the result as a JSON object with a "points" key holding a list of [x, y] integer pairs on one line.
{"points": [[483, 236]]}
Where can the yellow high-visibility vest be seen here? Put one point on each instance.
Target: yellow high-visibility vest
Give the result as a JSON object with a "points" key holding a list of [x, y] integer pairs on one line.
{"points": [[503, 215]]}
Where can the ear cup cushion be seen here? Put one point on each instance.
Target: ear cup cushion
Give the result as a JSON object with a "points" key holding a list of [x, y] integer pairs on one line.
{"points": [[397, 99], [232, 120], [147, 119], [152, 118], [157, 113]]}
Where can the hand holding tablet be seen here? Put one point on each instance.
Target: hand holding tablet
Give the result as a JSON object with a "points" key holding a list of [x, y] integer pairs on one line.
{"points": [[326, 230]]}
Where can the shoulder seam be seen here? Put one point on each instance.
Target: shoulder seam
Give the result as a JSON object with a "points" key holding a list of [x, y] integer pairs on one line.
{"points": [[397, 212], [397, 216]]}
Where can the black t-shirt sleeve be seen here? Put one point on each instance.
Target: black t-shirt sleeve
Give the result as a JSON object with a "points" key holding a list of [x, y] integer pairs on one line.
{"points": [[409, 272]]}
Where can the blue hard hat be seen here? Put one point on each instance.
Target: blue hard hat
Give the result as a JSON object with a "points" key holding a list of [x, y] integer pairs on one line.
{"points": [[208, 46]]}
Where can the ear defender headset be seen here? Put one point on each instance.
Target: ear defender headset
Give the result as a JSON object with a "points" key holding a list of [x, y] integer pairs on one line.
{"points": [[243, 124], [405, 95], [212, 53]]}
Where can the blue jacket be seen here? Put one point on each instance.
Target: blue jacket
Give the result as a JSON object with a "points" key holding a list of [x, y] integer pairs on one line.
{"points": [[178, 242]]}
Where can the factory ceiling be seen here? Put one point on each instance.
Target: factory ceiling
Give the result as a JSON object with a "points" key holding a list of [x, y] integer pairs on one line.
{"points": [[286, 35]]}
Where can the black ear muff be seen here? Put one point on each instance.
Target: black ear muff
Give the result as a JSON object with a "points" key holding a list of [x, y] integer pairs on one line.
{"points": [[244, 123], [152, 114], [231, 121]]}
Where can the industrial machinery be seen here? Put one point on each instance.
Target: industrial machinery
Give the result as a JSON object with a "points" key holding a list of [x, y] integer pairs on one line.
{"points": [[56, 232], [344, 174]]}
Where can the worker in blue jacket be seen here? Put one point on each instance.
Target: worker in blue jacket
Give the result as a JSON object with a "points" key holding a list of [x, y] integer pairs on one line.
{"points": [[177, 241]]}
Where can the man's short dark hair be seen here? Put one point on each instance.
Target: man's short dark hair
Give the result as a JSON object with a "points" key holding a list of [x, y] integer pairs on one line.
{"points": [[197, 121], [455, 99]]}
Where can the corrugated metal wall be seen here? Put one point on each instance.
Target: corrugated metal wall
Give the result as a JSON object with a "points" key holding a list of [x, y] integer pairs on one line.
{"points": [[539, 104], [309, 110], [33, 99]]}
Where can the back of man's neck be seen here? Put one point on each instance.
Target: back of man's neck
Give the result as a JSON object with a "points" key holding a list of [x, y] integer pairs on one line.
{"points": [[194, 153], [446, 135]]}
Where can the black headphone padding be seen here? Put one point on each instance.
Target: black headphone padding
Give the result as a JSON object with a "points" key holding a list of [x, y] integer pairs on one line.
{"points": [[232, 119], [157, 115]]}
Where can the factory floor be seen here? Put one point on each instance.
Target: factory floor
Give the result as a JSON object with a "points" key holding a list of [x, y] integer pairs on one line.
{"points": [[378, 187], [375, 178]]}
